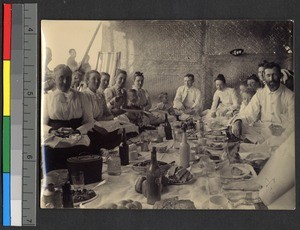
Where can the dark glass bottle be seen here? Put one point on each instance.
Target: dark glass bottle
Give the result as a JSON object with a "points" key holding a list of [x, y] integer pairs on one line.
{"points": [[168, 129], [124, 150], [67, 195], [153, 180]]}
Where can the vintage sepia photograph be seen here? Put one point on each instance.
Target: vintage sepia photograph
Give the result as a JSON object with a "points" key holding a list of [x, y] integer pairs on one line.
{"points": [[167, 114]]}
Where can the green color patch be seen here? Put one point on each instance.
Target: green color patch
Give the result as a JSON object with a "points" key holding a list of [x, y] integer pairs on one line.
{"points": [[6, 144]]}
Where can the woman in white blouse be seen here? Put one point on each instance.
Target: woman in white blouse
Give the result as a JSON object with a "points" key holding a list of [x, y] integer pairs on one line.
{"points": [[143, 95], [64, 108], [225, 101], [100, 138]]}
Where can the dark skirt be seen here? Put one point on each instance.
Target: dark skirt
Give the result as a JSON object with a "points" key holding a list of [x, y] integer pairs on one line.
{"points": [[106, 141]]}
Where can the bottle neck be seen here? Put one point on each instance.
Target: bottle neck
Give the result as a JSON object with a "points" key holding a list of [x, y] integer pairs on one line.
{"points": [[124, 140], [166, 118], [184, 138], [153, 158]]}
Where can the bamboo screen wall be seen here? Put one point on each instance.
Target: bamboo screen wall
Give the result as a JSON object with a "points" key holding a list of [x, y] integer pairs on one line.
{"points": [[166, 50]]}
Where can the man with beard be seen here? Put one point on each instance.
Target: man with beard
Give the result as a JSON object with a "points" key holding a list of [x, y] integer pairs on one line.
{"points": [[273, 108]]}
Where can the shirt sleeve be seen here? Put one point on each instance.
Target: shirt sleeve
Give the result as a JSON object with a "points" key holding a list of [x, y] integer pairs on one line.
{"points": [[215, 102], [108, 96], [198, 102], [177, 100], [148, 104], [106, 115], [87, 118]]}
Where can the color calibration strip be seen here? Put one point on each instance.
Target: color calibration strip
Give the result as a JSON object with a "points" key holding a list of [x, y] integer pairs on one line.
{"points": [[7, 10], [19, 139]]}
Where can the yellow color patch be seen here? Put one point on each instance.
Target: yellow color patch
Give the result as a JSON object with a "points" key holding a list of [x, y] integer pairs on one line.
{"points": [[6, 88]]}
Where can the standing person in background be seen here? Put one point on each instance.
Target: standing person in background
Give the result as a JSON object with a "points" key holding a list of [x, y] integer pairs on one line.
{"points": [[85, 65], [188, 98], [71, 62], [143, 95], [225, 100], [116, 95]]}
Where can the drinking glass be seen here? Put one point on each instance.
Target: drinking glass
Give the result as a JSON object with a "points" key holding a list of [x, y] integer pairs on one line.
{"points": [[78, 180]]}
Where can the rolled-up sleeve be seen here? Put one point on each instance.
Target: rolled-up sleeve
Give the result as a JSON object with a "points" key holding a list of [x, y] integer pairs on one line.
{"points": [[178, 99], [108, 96]]}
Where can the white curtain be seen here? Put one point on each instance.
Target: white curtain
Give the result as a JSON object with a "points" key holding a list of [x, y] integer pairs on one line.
{"points": [[109, 62]]}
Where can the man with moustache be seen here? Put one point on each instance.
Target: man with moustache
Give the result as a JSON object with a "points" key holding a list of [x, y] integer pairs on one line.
{"points": [[273, 108]]}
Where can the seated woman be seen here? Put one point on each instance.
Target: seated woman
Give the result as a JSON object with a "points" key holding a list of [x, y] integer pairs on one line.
{"points": [[253, 82], [116, 96], [143, 95], [225, 101], [104, 82], [67, 117], [100, 138], [77, 81]]}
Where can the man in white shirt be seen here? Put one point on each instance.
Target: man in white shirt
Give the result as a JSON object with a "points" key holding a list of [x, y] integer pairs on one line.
{"points": [[188, 97], [273, 106]]}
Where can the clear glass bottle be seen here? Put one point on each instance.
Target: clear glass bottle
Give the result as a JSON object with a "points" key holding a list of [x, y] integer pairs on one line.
{"points": [[184, 150], [153, 180], [114, 164]]}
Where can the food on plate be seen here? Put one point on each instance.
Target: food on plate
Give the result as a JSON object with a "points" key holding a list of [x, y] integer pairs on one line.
{"points": [[138, 184], [123, 204], [147, 163], [63, 132], [161, 147], [83, 195], [257, 156], [178, 175], [235, 171], [174, 203]]}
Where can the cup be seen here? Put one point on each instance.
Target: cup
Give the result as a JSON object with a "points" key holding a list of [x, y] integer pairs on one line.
{"points": [[133, 155], [213, 183], [218, 202], [78, 180]]}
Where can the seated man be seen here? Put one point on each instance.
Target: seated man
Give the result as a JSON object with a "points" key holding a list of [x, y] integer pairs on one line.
{"points": [[188, 98], [273, 106], [225, 100]]}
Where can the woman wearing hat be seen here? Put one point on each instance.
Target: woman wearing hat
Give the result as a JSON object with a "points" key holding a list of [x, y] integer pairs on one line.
{"points": [[225, 100]]}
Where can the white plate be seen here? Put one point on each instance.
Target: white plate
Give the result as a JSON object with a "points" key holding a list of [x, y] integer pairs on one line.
{"points": [[226, 172], [86, 201]]}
